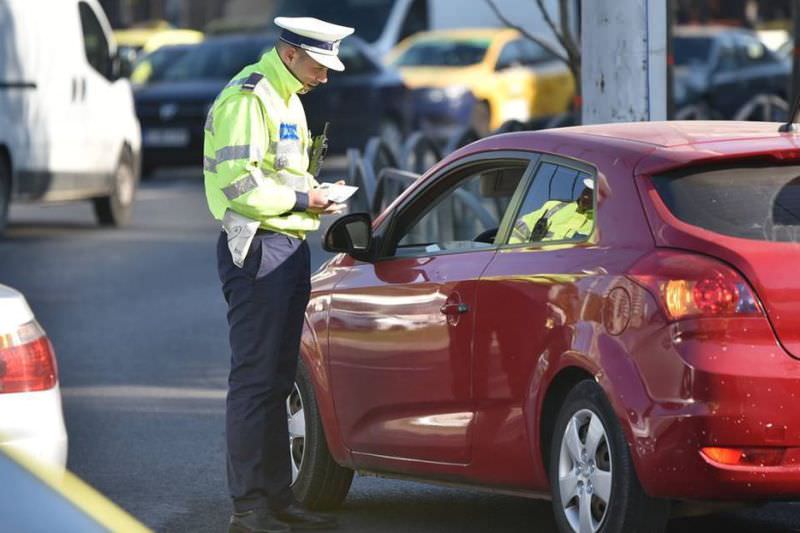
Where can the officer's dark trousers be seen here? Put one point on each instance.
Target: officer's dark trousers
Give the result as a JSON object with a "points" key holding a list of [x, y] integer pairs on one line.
{"points": [[266, 299]]}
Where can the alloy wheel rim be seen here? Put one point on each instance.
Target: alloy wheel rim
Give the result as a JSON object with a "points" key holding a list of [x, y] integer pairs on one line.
{"points": [[585, 472], [295, 411]]}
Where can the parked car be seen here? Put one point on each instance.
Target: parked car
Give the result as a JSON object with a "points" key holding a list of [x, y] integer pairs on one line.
{"points": [[38, 498], [365, 100], [510, 77], [654, 358], [68, 130], [720, 69], [384, 23], [32, 421], [151, 66]]}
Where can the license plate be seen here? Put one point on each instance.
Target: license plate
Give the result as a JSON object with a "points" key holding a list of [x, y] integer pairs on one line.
{"points": [[165, 137]]}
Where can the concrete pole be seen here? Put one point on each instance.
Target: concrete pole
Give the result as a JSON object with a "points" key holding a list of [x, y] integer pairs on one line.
{"points": [[624, 60]]}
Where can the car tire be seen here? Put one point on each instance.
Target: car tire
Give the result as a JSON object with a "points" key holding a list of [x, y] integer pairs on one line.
{"points": [[602, 491], [318, 481], [5, 192], [116, 208]]}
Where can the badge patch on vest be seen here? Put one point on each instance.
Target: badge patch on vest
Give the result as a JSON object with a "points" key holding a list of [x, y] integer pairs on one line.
{"points": [[288, 132]]}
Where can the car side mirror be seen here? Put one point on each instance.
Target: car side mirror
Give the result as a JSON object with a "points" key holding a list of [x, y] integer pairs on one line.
{"points": [[350, 234]]}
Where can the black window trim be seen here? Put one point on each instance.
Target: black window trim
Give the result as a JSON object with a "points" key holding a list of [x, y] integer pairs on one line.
{"points": [[389, 227], [561, 161]]}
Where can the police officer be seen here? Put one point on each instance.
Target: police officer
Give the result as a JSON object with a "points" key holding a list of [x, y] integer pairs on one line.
{"points": [[256, 181]]}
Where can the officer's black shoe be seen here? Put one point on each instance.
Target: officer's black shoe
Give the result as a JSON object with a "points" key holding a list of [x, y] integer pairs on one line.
{"points": [[257, 521], [300, 518]]}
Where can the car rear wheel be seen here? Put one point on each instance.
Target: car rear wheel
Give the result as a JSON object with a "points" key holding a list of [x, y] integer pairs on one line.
{"points": [[5, 191], [115, 209], [318, 481], [593, 481]]}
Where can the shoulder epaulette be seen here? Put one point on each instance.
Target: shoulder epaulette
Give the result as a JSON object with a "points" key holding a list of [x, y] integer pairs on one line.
{"points": [[251, 81]]}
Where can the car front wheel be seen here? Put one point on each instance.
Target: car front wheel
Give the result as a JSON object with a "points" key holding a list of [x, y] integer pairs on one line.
{"points": [[317, 480], [594, 484]]}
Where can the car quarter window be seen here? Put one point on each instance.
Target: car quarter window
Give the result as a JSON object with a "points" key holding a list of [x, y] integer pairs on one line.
{"points": [[558, 206], [462, 211], [511, 55]]}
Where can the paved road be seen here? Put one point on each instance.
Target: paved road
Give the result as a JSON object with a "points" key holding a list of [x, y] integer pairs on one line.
{"points": [[138, 322]]}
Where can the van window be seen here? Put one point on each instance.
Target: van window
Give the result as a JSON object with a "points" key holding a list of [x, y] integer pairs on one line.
{"points": [[416, 19], [757, 202], [94, 41], [368, 17]]}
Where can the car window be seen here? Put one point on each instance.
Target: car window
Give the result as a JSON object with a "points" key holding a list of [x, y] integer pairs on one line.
{"points": [[755, 202], [444, 53], [95, 43], [752, 51], [463, 212], [533, 53], [691, 50], [727, 59], [216, 60], [511, 55], [558, 206]]}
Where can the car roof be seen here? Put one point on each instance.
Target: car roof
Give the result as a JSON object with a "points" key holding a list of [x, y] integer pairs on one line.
{"points": [[657, 146], [677, 133], [466, 33]]}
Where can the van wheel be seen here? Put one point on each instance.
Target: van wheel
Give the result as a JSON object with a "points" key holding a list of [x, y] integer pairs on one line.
{"points": [[318, 481], [592, 478], [115, 209]]}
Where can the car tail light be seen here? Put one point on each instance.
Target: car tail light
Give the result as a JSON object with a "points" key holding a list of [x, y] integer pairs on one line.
{"points": [[27, 362], [745, 456], [693, 286]]}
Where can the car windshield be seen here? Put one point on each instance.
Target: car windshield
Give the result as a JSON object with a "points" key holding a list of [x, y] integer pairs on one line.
{"points": [[368, 17], [216, 60], [755, 202], [160, 60], [689, 50], [444, 53]]}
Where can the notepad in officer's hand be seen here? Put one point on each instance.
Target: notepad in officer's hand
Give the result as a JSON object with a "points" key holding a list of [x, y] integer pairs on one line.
{"points": [[338, 193]]}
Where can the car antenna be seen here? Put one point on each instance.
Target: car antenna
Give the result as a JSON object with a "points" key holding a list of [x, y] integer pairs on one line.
{"points": [[791, 124]]}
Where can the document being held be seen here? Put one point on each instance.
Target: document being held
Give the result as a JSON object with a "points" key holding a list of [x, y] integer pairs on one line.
{"points": [[338, 193]]}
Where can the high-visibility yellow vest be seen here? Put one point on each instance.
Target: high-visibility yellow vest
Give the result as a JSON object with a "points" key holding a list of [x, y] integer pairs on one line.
{"points": [[557, 220], [255, 153]]}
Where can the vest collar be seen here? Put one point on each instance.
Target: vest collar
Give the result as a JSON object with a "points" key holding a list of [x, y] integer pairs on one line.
{"points": [[282, 80]]}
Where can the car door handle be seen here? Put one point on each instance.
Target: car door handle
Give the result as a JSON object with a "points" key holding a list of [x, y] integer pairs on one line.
{"points": [[454, 309], [599, 271]]}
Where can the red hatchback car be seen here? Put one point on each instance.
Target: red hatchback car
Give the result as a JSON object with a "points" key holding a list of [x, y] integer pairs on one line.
{"points": [[490, 330]]}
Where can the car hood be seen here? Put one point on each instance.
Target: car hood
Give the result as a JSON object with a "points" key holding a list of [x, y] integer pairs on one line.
{"points": [[179, 90], [416, 77]]}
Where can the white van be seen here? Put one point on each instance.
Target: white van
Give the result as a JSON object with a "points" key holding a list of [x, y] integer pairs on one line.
{"points": [[384, 23], [68, 129]]}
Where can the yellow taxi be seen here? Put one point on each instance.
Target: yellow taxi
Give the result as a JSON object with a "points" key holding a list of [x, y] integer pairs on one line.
{"points": [[146, 37], [510, 76]]}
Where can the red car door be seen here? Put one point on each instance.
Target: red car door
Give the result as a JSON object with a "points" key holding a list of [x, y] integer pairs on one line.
{"points": [[528, 297], [401, 329]]}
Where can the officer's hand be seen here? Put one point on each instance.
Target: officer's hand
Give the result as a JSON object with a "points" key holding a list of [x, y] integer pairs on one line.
{"points": [[330, 209], [317, 200]]}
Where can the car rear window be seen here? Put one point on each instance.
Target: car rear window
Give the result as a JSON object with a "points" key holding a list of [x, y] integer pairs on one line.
{"points": [[757, 202]]}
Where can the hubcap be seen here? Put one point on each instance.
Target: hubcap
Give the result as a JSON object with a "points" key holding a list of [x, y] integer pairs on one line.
{"points": [[297, 430], [584, 472], [125, 185]]}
